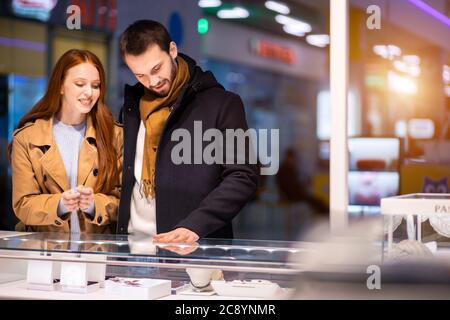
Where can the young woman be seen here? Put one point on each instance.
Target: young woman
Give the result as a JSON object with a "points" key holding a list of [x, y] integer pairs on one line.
{"points": [[66, 155]]}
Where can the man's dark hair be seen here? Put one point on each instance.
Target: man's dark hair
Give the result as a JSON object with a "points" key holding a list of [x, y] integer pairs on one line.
{"points": [[141, 34]]}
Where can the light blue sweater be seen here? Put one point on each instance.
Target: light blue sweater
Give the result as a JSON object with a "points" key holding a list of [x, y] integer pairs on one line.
{"points": [[68, 139]]}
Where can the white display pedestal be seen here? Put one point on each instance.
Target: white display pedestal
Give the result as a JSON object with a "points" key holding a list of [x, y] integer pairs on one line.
{"points": [[74, 278], [41, 275], [68, 276]]}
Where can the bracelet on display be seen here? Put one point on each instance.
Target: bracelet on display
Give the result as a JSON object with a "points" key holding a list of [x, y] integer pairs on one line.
{"points": [[206, 287]]}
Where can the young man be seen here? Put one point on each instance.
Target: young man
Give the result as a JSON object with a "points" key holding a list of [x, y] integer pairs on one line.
{"points": [[172, 201]]}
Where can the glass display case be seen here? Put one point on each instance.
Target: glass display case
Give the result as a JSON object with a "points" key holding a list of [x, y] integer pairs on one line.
{"points": [[416, 226], [61, 266]]}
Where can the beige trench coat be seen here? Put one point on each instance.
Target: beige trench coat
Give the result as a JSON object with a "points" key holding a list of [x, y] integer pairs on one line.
{"points": [[39, 179]]}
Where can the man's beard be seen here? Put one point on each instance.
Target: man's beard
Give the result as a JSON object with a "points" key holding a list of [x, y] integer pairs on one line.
{"points": [[173, 73]]}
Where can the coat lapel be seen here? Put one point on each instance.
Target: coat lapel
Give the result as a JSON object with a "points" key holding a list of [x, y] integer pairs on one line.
{"points": [[54, 166], [51, 161], [88, 153]]}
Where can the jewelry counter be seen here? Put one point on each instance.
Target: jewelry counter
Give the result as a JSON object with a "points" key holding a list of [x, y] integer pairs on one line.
{"points": [[61, 266]]}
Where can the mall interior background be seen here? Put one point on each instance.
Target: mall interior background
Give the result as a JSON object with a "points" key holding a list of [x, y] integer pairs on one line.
{"points": [[398, 99]]}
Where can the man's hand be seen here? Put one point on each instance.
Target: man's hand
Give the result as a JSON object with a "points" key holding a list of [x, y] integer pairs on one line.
{"points": [[71, 199], [86, 197], [182, 250], [178, 235]]}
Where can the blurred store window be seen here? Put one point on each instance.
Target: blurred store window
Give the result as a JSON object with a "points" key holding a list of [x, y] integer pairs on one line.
{"points": [[401, 74], [274, 54]]}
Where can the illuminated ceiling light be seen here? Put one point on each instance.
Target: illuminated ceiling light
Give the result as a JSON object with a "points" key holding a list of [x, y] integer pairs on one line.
{"points": [[277, 7], [394, 51], [235, 13], [401, 66], [209, 3], [412, 59], [387, 52], [446, 74], [414, 71], [318, 40], [380, 51], [401, 84], [294, 30], [285, 20], [291, 25], [408, 65]]}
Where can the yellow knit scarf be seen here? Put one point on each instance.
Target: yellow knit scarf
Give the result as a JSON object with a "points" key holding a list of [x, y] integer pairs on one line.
{"points": [[154, 112]]}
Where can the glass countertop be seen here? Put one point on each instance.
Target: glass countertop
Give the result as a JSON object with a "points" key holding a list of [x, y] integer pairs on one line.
{"points": [[139, 246]]}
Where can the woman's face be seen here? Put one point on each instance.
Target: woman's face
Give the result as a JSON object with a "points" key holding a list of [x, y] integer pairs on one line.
{"points": [[80, 89]]}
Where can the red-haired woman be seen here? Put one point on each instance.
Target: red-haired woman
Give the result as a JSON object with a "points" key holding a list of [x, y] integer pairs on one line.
{"points": [[66, 155]]}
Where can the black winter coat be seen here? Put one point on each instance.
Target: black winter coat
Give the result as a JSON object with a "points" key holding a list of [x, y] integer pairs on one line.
{"points": [[200, 197]]}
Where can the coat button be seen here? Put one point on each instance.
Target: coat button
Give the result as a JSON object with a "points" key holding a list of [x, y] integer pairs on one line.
{"points": [[95, 172], [57, 222], [99, 219], [129, 109], [129, 168]]}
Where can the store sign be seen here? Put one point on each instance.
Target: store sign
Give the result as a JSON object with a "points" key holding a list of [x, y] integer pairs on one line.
{"points": [[97, 14], [36, 9], [271, 50]]}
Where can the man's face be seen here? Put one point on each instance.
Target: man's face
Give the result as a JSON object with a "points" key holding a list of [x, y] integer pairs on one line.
{"points": [[155, 68]]}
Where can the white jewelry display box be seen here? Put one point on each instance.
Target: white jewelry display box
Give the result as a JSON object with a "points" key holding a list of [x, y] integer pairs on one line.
{"points": [[138, 289], [244, 288]]}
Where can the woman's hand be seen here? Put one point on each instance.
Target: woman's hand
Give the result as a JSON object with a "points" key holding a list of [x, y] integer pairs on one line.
{"points": [[86, 197], [71, 199]]}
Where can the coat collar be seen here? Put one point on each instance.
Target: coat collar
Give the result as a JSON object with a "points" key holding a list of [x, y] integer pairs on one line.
{"points": [[52, 161], [43, 132]]}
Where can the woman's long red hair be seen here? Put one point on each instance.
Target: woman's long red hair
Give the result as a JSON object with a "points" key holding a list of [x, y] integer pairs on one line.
{"points": [[102, 118]]}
